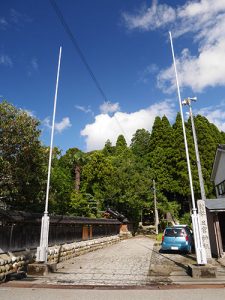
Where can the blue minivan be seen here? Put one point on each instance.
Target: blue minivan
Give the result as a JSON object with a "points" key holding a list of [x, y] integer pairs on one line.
{"points": [[177, 238]]}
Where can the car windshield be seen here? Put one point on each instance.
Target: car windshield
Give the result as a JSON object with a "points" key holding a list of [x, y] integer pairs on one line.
{"points": [[175, 232]]}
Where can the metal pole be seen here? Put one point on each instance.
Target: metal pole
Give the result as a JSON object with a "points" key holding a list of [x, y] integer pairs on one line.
{"points": [[184, 130], [200, 253], [201, 182], [42, 250], [202, 213], [156, 210]]}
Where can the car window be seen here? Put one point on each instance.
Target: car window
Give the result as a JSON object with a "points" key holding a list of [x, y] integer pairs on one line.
{"points": [[175, 232]]}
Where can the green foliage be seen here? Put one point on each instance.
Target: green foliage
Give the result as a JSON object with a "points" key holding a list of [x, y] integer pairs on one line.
{"points": [[208, 137], [84, 184], [79, 205], [140, 143], [121, 144], [108, 149], [96, 175], [129, 188], [22, 160], [186, 219], [60, 191]]}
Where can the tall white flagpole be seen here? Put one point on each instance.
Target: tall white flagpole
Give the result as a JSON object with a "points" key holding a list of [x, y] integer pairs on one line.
{"points": [[200, 251], [42, 250]]}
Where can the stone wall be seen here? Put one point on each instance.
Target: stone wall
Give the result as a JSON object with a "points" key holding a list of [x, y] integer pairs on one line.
{"points": [[18, 261]]}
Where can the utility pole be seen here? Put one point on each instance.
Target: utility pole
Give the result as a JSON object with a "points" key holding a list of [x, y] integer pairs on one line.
{"points": [[42, 250], [201, 206], [188, 101], [199, 249], [156, 210]]}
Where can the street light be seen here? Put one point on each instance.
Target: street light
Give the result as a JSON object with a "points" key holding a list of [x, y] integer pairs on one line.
{"points": [[202, 217]]}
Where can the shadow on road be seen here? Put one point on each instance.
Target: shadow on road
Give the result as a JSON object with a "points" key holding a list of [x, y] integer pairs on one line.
{"points": [[178, 259]]}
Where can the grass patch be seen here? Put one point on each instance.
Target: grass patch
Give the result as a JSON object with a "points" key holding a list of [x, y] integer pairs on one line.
{"points": [[159, 237]]}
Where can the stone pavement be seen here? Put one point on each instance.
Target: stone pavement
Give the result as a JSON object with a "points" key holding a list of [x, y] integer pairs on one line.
{"points": [[134, 262], [125, 263]]}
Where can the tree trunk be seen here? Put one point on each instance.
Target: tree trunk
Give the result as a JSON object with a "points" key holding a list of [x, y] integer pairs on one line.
{"points": [[77, 178]]}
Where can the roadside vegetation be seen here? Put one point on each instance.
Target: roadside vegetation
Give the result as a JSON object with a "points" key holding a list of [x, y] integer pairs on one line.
{"points": [[120, 176]]}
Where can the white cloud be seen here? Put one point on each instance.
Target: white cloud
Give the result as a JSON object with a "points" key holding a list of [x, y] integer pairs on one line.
{"points": [[108, 107], [5, 60], [150, 18], [34, 64], [3, 23], [46, 123], [109, 127], [60, 126], [205, 19], [84, 109], [215, 114], [64, 124], [30, 113], [14, 19], [144, 75], [18, 18], [15, 16]]}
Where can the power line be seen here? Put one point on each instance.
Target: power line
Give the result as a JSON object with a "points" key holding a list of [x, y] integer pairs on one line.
{"points": [[75, 43], [80, 53]]}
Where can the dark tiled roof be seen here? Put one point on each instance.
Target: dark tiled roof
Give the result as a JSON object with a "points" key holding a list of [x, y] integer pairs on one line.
{"points": [[25, 217], [215, 204]]}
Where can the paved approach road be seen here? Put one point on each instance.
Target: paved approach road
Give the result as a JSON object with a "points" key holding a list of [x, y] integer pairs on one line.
{"points": [[132, 262], [131, 269], [125, 263]]}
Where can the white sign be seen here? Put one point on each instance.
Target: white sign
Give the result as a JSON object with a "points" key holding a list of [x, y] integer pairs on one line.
{"points": [[204, 227]]}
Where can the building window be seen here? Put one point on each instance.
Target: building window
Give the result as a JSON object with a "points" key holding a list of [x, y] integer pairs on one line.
{"points": [[221, 188]]}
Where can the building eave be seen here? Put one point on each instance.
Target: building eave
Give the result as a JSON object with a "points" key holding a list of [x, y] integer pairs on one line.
{"points": [[220, 149]]}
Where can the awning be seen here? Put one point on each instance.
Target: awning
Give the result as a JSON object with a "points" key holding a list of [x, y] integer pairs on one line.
{"points": [[215, 205]]}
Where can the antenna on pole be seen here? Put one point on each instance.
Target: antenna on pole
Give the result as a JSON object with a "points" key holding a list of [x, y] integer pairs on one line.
{"points": [[42, 250]]}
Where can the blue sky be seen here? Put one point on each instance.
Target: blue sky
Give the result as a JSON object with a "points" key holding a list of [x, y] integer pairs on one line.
{"points": [[126, 44]]}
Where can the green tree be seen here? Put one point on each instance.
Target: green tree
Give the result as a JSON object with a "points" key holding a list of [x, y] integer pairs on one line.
{"points": [[140, 143], [208, 137], [129, 188], [121, 144], [157, 134], [22, 159], [179, 170], [108, 149], [96, 176], [79, 205], [61, 186], [73, 161], [79, 161]]}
